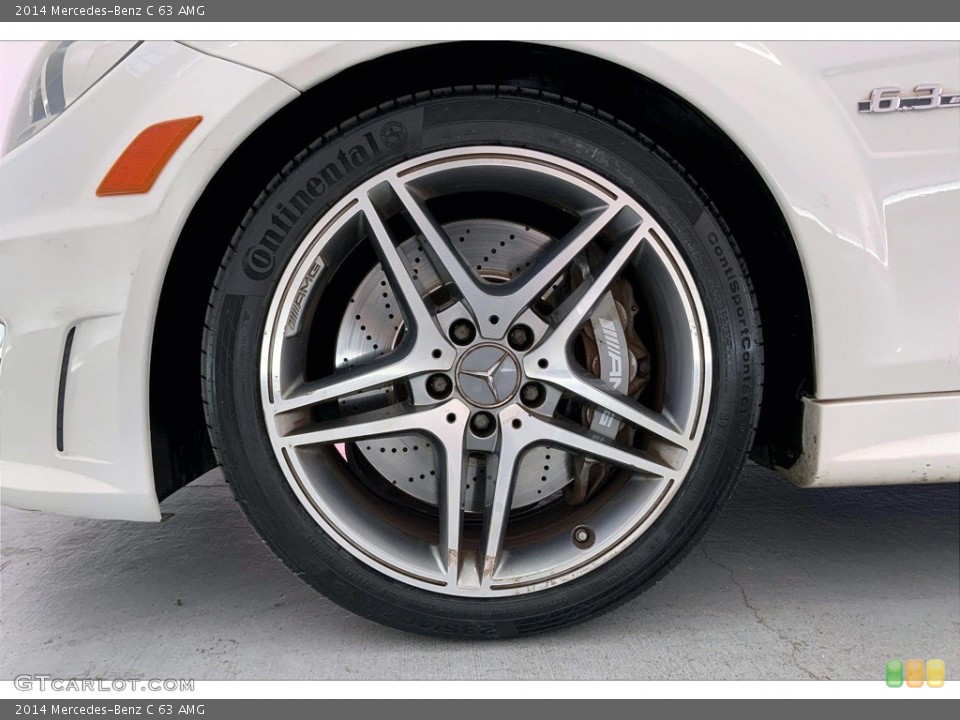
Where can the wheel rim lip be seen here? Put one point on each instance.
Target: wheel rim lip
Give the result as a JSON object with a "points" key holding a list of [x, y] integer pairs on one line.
{"points": [[293, 469]]}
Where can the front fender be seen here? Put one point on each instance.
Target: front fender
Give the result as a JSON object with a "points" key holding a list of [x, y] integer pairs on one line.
{"points": [[872, 201]]}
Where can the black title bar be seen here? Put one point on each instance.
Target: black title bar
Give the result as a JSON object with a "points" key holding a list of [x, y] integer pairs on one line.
{"points": [[489, 10]]}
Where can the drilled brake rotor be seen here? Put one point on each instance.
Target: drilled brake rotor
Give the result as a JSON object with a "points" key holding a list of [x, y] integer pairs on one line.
{"points": [[498, 251]]}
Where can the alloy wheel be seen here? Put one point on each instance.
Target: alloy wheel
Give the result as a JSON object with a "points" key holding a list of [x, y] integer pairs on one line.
{"points": [[485, 371]]}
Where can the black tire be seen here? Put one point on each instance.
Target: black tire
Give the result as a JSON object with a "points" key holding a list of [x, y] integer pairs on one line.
{"points": [[424, 123]]}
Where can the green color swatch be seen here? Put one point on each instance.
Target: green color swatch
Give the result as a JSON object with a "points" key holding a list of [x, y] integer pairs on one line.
{"points": [[894, 673]]}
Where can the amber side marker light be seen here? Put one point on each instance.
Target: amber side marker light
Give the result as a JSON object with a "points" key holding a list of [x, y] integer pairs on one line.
{"points": [[138, 167]]}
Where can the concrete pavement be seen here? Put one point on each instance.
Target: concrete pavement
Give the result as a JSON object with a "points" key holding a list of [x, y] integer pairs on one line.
{"points": [[787, 584]]}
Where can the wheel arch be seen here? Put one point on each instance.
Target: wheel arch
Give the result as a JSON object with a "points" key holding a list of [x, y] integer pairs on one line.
{"points": [[180, 444]]}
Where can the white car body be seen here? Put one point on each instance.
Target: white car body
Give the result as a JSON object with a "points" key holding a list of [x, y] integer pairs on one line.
{"points": [[872, 202]]}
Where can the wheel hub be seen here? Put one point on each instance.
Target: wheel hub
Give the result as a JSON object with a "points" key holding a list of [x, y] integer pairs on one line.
{"points": [[488, 375]]}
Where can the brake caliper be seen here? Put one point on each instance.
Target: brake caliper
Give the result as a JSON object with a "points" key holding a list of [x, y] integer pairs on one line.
{"points": [[615, 354]]}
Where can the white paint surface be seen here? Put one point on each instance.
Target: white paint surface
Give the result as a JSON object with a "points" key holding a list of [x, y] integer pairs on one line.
{"points": [[16, 57]]}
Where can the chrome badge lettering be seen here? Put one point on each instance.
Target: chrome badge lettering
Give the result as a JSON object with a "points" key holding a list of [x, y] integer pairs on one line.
{"points": [[296, 310], [890, 99]]}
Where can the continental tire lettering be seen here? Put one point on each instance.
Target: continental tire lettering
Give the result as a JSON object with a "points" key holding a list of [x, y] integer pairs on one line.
{"points": [[259, 262], [738, 295]]}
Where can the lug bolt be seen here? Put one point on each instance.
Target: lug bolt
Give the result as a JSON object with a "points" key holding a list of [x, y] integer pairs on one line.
{"points": [[482, 424], [532, 394], [462, 332], [520, 337], [439, 386]]}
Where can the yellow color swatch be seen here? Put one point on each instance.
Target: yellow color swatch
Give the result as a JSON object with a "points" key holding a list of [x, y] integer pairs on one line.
{"points": [[935, 673]]}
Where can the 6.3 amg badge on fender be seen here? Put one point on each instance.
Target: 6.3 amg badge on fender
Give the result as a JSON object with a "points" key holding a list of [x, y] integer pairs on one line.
{"points": [[890, 99]]}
